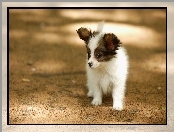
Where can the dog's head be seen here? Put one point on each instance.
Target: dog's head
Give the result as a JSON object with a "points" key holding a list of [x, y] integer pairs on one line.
{"points": [[101, 47]]}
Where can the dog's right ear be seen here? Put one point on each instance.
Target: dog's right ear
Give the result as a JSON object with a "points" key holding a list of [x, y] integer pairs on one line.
{"points": [[84, 34]]}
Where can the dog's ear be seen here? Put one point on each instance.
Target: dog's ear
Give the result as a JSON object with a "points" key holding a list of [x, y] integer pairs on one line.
{"points": [[84, 34], [111, 41]]}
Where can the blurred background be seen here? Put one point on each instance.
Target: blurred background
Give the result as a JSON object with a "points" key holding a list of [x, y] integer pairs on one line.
{"points": [[55, 30]]}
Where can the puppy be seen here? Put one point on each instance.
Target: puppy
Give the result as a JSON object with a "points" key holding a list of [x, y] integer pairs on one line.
{"points": [[107, 65]]}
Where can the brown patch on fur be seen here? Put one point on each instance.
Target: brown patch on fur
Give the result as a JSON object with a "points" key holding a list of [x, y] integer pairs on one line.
{"points": [[111, 41], [84, 34], [95, 33], [102, 53], [88, 51]]}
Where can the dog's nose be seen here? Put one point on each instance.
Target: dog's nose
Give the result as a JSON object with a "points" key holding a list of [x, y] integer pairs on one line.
{"points": [[90, 64]]}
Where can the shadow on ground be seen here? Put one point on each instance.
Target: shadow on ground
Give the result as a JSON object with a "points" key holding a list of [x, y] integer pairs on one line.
{"points": [[47, 67]]}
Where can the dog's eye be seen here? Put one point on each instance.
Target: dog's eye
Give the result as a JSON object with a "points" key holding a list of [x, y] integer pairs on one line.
{"points": [[98, 55]]}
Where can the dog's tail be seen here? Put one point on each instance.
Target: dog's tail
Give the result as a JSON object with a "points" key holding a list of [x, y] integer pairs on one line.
{"points": [[100, 26]]}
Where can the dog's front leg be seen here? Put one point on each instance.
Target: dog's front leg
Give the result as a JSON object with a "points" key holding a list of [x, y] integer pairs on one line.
{"points": [[97, 94], [118, 96]]}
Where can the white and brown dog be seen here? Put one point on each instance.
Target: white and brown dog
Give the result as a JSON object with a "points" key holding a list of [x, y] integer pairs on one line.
{"points": [[107, 65]]}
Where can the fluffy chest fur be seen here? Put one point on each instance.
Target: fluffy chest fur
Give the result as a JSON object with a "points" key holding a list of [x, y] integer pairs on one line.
{"points": [[101, 77], [110, 73]]}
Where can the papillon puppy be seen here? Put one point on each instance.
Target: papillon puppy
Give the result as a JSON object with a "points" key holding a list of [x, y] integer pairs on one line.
{"points": [[107, 65]]}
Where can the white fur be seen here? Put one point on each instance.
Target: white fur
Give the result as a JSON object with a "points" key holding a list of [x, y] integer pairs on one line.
{"points": [[100, 26], [107, 77], [93, 45]]}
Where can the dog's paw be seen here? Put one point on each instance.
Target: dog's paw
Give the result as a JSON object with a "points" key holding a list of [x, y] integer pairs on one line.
{"points": [[118, 106], [89, 94], [96, 101]]}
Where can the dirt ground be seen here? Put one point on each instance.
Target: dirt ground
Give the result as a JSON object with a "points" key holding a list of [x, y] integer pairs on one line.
{"points": [[47, 77]]}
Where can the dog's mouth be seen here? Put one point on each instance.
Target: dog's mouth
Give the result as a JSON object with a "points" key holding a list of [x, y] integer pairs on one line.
{"points": [[93, 65]]}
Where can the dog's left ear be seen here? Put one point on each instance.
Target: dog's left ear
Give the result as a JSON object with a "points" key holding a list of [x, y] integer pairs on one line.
{"points": [[111, 41], [84, 34]]}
